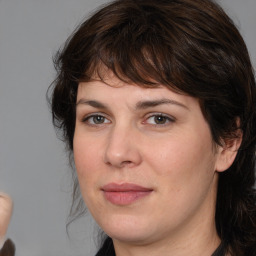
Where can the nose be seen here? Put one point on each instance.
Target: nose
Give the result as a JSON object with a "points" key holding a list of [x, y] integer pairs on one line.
{"points": [[122, 148]]}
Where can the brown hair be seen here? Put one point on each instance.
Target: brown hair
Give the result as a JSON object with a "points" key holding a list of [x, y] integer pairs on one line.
{"points": [[192, 47]]}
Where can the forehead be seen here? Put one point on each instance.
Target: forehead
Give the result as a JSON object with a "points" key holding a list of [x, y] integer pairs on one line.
{"points": [[106, 86], [113, 92]]}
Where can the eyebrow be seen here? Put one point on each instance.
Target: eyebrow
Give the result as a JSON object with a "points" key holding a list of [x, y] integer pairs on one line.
{"points": [[139, 105], [92, 103], [154, 103]]}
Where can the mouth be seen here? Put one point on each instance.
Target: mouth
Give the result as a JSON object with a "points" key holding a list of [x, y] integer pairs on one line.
{"points": [[124, 194]]}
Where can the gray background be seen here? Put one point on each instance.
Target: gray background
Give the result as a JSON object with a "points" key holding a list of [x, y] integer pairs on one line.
{"points": [[33, 163]]}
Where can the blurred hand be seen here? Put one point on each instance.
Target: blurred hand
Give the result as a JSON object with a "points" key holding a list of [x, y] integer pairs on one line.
{"points": [[5, 213]]}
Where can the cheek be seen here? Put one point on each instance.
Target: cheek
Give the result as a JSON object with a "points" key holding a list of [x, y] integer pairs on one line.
{"points": [[185, 176], [178, 154], [86, 157], [184, 161]]}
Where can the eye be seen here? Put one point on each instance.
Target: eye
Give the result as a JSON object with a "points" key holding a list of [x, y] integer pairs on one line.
{"points": [[96, 120], [159, 119]]}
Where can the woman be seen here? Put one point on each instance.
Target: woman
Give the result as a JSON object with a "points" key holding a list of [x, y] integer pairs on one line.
{"points": [[156, 101]]}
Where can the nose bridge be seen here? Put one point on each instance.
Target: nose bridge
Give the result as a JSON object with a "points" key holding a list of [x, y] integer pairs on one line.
{"points": [[122, 148]]}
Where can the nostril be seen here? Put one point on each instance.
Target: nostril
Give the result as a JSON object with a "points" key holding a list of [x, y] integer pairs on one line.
{"points": [[121, 164], [126, 162], [121, 155]]}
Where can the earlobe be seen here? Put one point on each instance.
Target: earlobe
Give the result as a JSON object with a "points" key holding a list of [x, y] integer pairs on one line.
{"points": [[227, 153]]}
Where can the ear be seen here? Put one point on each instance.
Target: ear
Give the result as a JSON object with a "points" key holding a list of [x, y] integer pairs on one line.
{"points": [[228, 151]]}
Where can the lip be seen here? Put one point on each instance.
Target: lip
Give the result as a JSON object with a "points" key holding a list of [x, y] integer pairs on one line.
{"points": [[125, 193]]}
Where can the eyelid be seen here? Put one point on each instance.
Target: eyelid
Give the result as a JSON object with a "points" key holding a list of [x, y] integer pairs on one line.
{"points": [[170, 119], [91, 115]]}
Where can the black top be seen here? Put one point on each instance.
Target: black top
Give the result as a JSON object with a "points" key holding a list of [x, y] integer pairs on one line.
{"points": [[8, 248], [107, 249]]}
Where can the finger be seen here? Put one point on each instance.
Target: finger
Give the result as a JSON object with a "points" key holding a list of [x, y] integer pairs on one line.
{"points": [[6, 207]]}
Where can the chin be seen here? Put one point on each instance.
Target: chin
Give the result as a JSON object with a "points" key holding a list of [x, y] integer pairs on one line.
{"points": [[129, 229]]}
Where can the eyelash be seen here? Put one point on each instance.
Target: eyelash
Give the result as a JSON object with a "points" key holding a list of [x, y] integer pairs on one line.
{"points": [[90, 120], [87, 119], [167, 119]]}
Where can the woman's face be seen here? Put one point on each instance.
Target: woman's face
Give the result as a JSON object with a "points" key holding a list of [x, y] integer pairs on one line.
{"points": [[145, 161]]}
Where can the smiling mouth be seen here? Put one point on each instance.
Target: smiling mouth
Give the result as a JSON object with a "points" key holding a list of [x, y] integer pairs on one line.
{"points": [[124, 194]]}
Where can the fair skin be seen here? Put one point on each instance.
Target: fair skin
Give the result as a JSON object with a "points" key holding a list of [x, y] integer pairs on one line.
{"points": [[157, 142], [5, 214]]}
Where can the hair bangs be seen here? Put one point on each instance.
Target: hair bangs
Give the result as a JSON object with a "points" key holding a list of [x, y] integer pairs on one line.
{"points": [[145, 59]]}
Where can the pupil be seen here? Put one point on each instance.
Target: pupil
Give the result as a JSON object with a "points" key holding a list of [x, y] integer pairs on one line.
{"points": [[98, 119], [160, 119]]}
